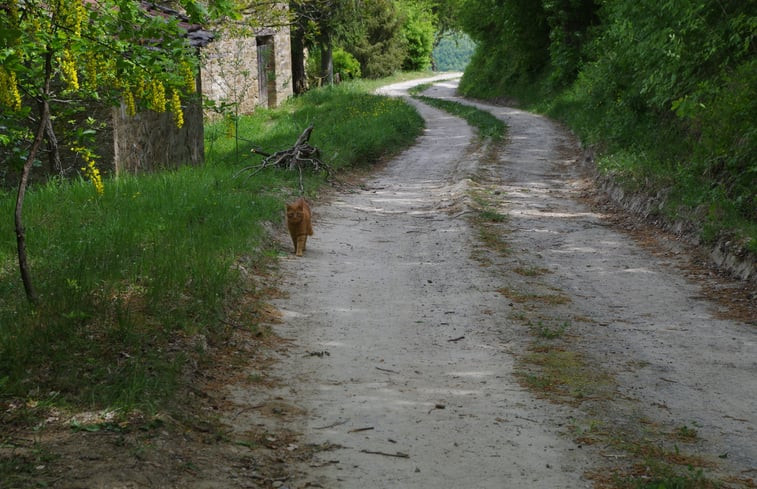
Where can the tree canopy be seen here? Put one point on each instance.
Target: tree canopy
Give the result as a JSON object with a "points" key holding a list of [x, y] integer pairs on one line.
{"points": [[384, 36]]}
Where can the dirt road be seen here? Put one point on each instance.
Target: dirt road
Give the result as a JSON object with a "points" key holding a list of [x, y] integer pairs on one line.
{"points": [[408, 332]]}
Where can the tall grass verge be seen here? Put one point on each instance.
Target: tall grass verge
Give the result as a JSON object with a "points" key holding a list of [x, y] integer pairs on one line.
{"points": [[351, 127], [487, 125], [133, 282]]}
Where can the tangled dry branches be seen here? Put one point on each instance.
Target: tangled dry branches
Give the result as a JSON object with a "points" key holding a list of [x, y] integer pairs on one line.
{"points": [[299, 156]]}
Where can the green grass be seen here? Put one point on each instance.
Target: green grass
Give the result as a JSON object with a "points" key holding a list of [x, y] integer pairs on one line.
{"points": [[129, 281], [351, 127], [487, 125]]}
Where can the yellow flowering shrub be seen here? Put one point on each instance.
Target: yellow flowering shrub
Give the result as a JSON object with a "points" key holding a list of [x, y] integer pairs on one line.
{"points": [[178, 114], [9, 95], [68, 71], [90, 169], [156, 96], [73, 14], [131, 107], [189, 77]]}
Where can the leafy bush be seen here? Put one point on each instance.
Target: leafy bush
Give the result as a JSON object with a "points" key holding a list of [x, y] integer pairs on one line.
{"points": [[418, 31], [346, 64], [379, 45]]}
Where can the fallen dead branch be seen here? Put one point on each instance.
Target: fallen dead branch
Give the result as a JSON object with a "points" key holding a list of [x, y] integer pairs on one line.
{"points": [[300, 155]]}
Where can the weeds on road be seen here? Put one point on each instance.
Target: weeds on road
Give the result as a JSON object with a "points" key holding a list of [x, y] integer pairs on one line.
{"points": [[487, 125]]}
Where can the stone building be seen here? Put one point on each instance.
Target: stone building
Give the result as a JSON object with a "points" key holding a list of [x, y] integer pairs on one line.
{"points": [[248, 71], [148, 140]]}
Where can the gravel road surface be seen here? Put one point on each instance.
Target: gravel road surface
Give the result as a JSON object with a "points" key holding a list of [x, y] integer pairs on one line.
{"points": [[404, 353]]}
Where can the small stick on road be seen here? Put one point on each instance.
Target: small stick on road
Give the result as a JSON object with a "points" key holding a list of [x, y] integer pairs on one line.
{"points": [[437, 406], [397, 455], [332, 425]]}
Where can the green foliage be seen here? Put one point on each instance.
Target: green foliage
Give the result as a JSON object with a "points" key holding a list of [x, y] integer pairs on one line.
{"points": [[663, 88], [346, 64], [512, 39], [134, 282], [453, 52], [418, 31], [570, 27], [377, 42]]}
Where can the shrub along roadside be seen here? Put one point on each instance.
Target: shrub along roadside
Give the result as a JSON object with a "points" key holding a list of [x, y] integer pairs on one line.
{"points": [[130, 281]]}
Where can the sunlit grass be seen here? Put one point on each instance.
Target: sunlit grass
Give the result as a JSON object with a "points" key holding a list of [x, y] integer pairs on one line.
{"points": [[129, 281]]}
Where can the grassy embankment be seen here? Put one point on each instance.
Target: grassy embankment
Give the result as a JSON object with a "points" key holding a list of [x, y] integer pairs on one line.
{"points": [[648, 156], [662, 91], [135, 282]]}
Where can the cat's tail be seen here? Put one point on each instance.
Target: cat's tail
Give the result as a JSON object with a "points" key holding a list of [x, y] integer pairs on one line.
{"points": [[310, 229]]}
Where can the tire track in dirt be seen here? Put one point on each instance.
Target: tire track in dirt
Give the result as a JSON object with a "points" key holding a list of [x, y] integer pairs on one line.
{"points": [[401, 344], [677, 365]]}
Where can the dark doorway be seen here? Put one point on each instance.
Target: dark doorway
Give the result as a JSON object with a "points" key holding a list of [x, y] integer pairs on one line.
{"points": [[266, 71]]}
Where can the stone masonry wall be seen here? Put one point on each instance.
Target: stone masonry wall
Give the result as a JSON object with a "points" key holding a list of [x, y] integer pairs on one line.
{"points": [[230, 70], [149, 141]]}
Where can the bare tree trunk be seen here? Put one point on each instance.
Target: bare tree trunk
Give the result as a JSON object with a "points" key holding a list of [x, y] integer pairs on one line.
{"points": [[327, 60], [299, 77], [52, 142], [44, 121]]}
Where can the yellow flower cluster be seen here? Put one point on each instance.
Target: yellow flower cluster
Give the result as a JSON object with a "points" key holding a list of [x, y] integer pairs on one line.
{"points": [[90, 73], [73, 14], [99, 72], [189, 77], [9, 95], [68, 70], [178, 114], [131, 107], [90, 170], [156, 94]]}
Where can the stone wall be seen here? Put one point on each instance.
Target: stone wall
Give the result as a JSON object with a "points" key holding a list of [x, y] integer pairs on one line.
{"points": [[230, 71], [149, 141], [283, 53]]}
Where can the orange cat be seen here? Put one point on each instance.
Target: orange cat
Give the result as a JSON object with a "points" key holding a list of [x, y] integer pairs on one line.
{"points": [[298, 222]]}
